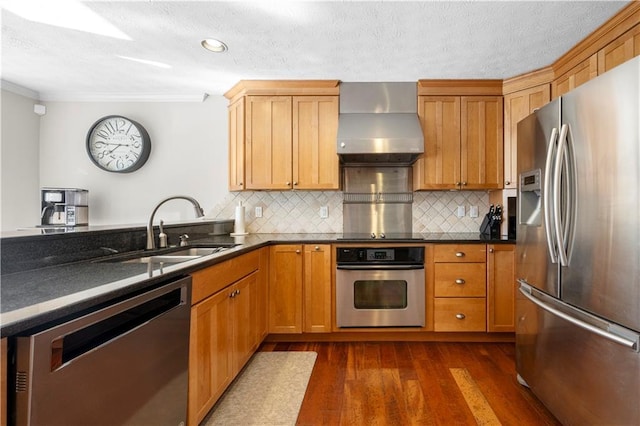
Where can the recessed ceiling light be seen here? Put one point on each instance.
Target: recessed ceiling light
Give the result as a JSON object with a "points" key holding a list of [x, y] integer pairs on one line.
{"points": [[214, 45]]}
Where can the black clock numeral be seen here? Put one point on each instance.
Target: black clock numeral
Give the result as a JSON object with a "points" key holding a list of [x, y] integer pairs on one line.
{"points": [[120, 124], [103, 134], [111, 127]]}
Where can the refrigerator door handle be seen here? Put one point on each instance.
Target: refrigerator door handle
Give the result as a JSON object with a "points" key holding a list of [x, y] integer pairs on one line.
{"points": [[547, 201], [557, 194], [631, 343]]}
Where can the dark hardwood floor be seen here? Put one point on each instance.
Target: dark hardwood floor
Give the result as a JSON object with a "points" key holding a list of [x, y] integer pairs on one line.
{"points": [[415, 383]]}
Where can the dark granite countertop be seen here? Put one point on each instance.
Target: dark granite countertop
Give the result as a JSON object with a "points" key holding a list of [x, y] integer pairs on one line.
{"points": [[37, 297]]}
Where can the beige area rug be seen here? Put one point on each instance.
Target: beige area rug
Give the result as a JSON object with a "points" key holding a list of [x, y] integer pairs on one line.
{"points": [[268, 392]]}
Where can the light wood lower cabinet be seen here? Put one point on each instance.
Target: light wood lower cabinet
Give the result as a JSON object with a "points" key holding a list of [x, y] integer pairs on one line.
{"points": [[227, 325], [501, 287], [300, 288], [459, 287], [317, 288]]}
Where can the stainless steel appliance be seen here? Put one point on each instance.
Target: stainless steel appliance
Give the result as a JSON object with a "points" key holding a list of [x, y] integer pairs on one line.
{"points": [[123, 364], [64, 207], [379, 123], [578, 257], [380, 287], [377, 201]]}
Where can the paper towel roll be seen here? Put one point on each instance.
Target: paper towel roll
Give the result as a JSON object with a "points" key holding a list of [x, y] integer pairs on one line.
{"points": [[239, 225]]}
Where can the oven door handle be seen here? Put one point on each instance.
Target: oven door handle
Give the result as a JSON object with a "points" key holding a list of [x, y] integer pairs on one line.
{"points": [[379, 267]]}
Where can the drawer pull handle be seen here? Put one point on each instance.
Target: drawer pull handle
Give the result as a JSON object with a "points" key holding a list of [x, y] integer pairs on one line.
{"points": [[459, 281], [459, 254], [298, 251], [317, 248], [460, 316]]}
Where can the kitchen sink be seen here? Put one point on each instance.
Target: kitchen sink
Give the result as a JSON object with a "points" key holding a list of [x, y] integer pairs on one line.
{"points": [[182, 254]]}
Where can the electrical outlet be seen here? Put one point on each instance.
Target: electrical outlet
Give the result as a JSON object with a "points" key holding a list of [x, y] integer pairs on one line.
{"points": [[473, 211], [324, 212], [258, 211], [460, 212]]}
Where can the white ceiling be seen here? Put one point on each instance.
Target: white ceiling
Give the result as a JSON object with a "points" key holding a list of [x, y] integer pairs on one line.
{"points": [[344, 40]]}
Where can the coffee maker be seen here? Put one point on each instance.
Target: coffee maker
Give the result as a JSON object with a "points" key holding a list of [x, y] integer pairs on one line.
{"points": [[64, 207]]}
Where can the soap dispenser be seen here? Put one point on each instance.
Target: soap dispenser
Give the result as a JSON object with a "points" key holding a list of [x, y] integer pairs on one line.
{"points": [[162, 238]]}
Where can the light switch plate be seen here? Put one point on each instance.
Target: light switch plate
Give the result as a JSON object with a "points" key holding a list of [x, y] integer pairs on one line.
{"points": [[460, 212], [258, 211], [473, 211]]}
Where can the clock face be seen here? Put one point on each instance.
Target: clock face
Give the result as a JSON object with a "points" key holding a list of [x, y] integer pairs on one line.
{"points": [[118, 144]]}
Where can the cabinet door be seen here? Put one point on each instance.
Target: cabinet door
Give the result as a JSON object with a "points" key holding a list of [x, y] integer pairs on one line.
{"points": [[315, 128], [501, 287], [620, 50], [268, 142], [439, 166], [578, 75], [481, 142], [244, 318], [285, 289], [209, 354], [317, 288], [518, 105], [236, 145], [262, 297]]}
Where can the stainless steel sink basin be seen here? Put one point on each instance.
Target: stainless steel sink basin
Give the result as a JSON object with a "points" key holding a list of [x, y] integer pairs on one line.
{"points": [[182, 254], [160, 259]]}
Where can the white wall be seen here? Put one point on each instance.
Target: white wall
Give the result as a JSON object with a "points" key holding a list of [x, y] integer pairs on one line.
{"points": [[19, 158], [188, 157]]}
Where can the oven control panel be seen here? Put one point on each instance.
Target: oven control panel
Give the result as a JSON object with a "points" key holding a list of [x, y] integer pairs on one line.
{"points": [[380, 255]]}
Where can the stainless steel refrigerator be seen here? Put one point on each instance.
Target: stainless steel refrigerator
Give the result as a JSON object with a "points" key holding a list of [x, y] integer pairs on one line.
{"points": [[578, 251]]}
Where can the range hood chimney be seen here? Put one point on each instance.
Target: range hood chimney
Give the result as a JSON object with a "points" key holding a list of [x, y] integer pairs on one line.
{"points": [[379, 124]]}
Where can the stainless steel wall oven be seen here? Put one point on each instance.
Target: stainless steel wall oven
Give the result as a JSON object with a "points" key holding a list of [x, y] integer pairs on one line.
{"points": [[380, 287]]}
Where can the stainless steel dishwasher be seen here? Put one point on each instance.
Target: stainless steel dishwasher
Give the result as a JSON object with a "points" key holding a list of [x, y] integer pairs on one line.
{"points": [[125, 364]]}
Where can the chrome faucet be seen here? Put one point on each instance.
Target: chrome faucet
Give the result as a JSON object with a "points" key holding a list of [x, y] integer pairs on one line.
{"points": [[151, 243]]}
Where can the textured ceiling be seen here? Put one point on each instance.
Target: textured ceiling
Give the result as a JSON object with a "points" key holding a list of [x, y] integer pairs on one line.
{"points": [[349, 41]]}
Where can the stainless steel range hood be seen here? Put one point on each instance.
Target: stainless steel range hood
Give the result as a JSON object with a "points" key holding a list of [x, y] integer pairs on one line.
{"points": [[379, 123]]}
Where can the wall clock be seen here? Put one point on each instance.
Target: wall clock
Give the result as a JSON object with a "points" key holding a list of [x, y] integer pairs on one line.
{"points": [[118, 144]]}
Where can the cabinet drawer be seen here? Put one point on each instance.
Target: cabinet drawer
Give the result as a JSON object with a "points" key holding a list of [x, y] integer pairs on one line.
{"points": [[460, 279], [459, 314], [213, 279], [460, 253]]}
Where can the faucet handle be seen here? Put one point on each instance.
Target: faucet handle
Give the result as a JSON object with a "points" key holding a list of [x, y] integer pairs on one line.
{"points": [[183, 240]]}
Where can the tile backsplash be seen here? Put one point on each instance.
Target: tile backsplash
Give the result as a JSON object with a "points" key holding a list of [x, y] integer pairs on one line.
{"points": [[299, 211]]}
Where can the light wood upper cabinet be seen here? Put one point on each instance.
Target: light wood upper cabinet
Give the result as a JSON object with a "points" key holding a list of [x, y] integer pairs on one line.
{"points": [[625, 47], [501, 288], [268, 142], [518, 105], [463, 143], [580, 74], [481, 142], [236, 145], [439, 166], [282, 135], [315, 127]]}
